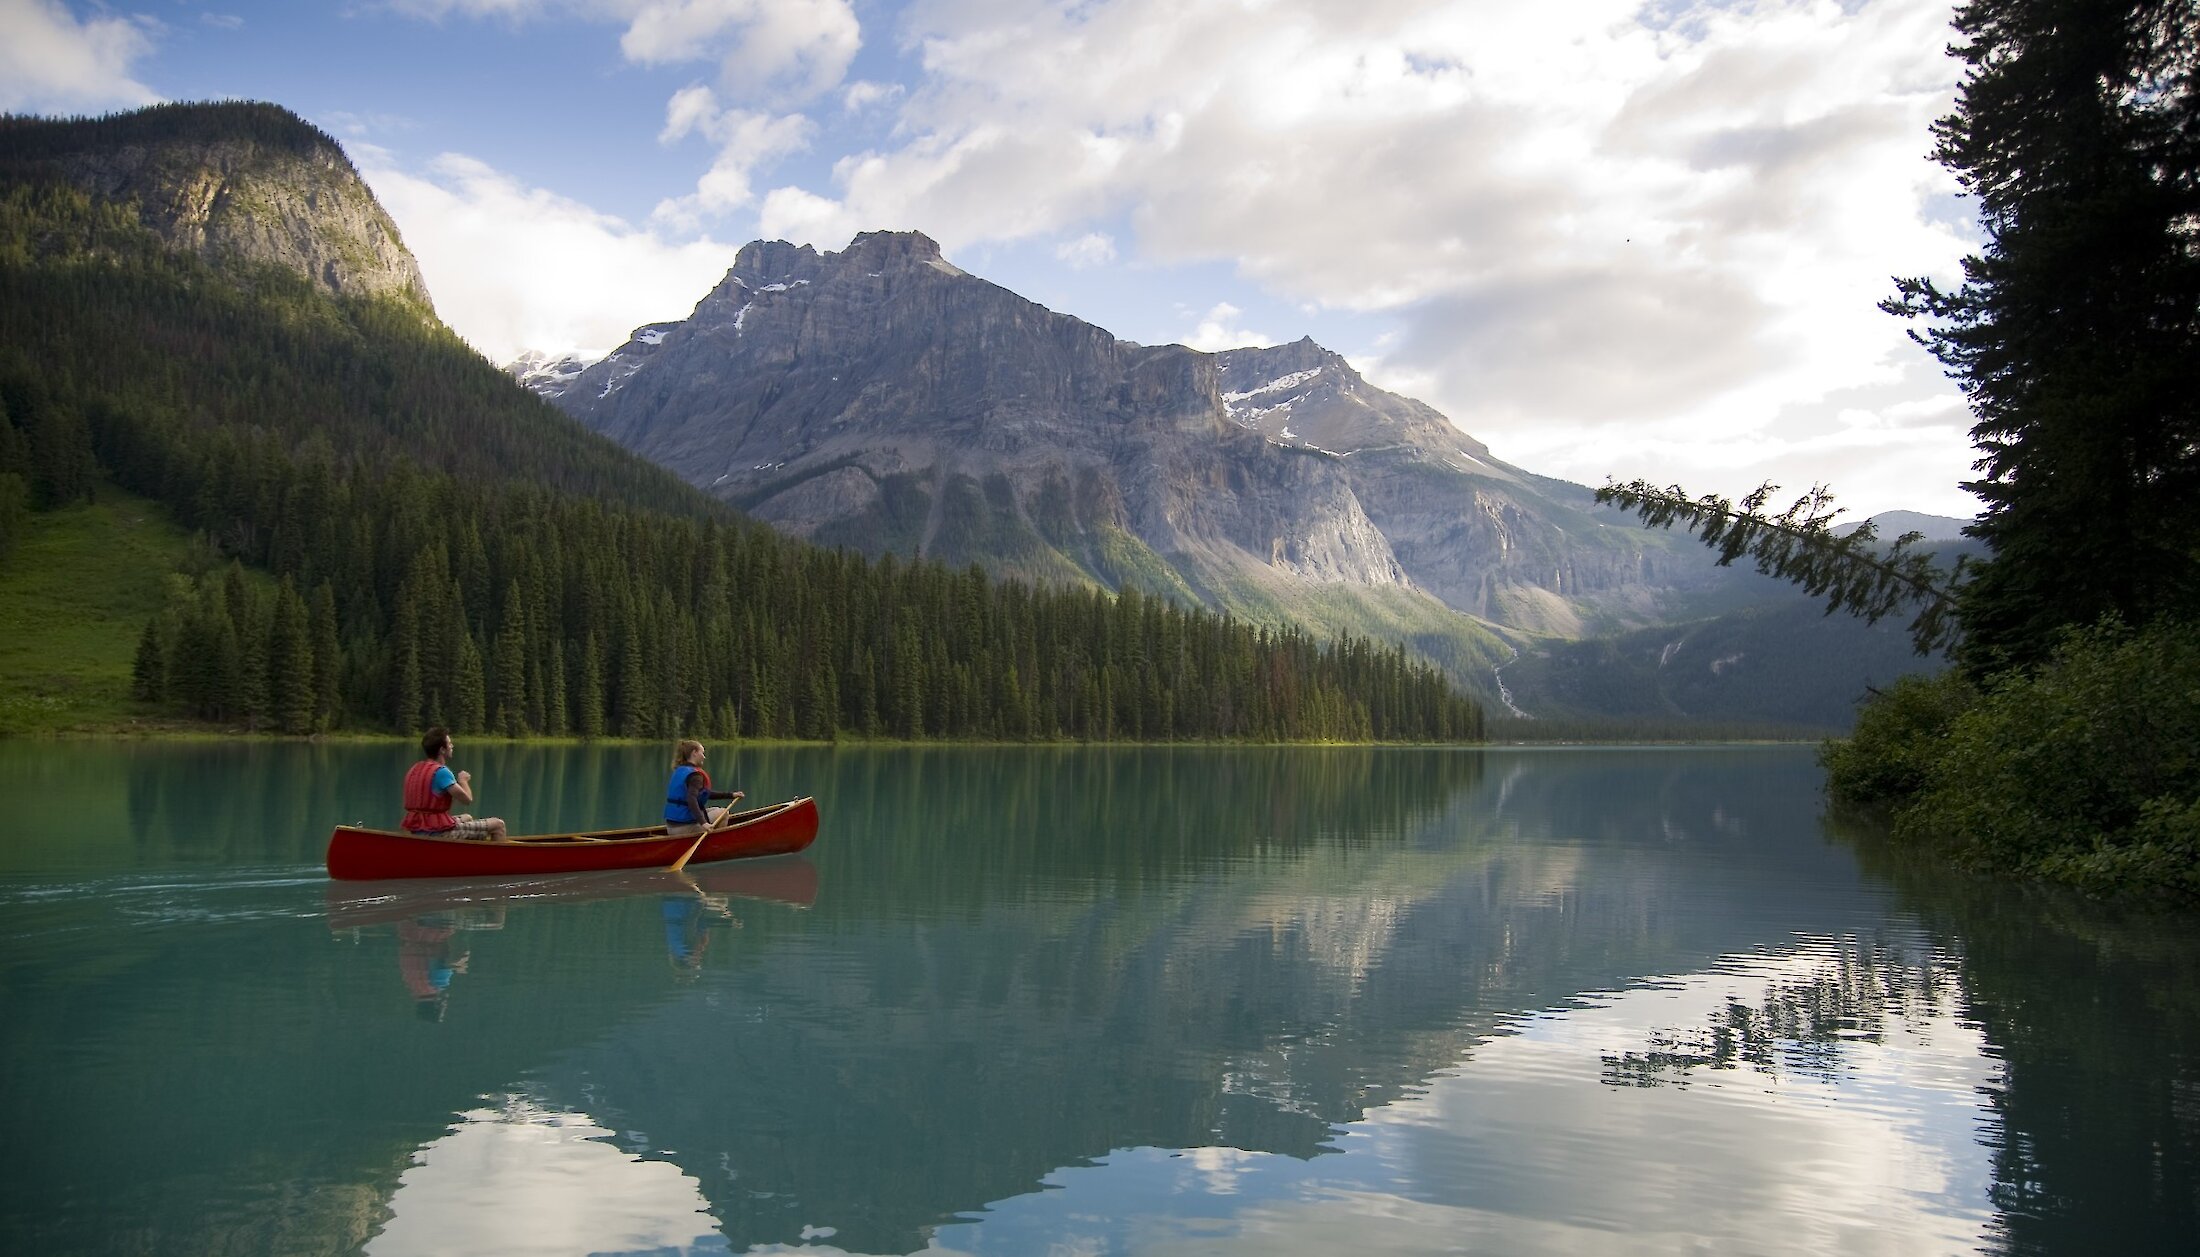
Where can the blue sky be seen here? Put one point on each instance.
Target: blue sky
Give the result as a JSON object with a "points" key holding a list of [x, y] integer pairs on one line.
{"points": [[1606, 237]]}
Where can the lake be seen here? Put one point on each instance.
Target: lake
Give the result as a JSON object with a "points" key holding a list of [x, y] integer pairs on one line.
{"points": [[1073, 1001]]}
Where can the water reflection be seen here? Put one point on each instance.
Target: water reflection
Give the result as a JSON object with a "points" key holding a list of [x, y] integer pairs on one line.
{"points": [[1810, 1024], [1105, 1001], [2093, 1010], [432, 918], [1523, 1147], [427, 960], [559, 1185]]}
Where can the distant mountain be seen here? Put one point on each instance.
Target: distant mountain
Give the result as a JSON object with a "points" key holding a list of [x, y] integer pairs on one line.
{"points": [[547, 375], [232, 182], [883, 399], [1893, 524], [1783, 662]]}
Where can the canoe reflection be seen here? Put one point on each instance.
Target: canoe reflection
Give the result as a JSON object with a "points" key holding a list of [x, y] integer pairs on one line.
{"points": [[432, 918], [480, 902]]}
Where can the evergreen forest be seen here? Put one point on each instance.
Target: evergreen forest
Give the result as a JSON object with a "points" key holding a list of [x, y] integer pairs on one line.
{"points": [[394, 534]]}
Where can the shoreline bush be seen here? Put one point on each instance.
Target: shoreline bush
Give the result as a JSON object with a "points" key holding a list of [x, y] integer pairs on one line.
{"points": [[2083, 770]]}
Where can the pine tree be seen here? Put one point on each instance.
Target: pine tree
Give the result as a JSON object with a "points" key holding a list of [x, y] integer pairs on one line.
{"points": [[290, 662], [589, 718], [508, 692], [2076, 333], [469, 690], [252, 699], [635, 715], [328, 659], [406, 689], [556, 718]]}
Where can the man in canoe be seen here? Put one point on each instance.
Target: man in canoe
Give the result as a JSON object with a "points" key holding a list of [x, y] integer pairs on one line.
{"points": [[688, 794], [430, 785]]}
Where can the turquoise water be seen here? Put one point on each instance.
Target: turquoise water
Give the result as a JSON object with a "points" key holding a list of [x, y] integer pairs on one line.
{"points": [[1073, 1001]]}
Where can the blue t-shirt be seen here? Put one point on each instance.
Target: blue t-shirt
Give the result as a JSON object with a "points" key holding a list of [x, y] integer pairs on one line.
{"points": [[443, 780]]}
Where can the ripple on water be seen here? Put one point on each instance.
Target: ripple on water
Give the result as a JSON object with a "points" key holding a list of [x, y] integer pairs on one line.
{"points": [[48, 909]]}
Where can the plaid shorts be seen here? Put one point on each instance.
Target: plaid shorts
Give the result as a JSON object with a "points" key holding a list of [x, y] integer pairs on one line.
{"points": [[468, 827]]}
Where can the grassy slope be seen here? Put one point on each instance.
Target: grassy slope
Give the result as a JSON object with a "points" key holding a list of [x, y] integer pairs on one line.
{"points": [[74, 596]]}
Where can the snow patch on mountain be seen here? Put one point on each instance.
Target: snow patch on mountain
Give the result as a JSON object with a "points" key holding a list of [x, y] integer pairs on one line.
{"points": [[546, 374]]}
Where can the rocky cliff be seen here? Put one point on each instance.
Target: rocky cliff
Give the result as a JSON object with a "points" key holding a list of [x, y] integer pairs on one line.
{"points": [[232, 182], [881, 397]]}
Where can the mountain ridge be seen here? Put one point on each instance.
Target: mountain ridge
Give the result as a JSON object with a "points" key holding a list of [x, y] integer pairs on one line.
{"points": [[883, 398]]}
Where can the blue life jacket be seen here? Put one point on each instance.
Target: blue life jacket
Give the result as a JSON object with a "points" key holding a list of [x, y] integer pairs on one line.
{"points": [[677, 811]]}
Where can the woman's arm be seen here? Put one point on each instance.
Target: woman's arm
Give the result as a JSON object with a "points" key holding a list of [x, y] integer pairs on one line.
{"points": [[698, 799]]}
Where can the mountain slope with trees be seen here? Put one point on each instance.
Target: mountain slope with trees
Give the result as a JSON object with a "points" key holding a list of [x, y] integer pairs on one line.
{"points": [[444, 547]]}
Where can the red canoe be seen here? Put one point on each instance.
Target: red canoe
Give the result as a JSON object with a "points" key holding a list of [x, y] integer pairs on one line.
{"points": [[356, 853]]}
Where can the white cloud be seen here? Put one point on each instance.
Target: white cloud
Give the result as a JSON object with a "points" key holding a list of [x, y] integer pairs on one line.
{"points": [[1094, 248], [763, 48], [1218, 329], [1579, 222], [745, 139], [690, 109], [767, 51], [52, 63], [863, 94], [513, 267], [797, 47]]}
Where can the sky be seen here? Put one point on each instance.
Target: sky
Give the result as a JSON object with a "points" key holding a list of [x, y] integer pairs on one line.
{"points": [[1611, 239]]}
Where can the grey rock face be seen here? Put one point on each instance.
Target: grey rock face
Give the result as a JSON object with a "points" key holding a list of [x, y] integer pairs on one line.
{"points": [[1488, 538], [233, 199], [881, 397]]}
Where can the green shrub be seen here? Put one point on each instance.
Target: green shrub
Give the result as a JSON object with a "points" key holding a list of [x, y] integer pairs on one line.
{"points": [[2084, 770], [1900, 733]]}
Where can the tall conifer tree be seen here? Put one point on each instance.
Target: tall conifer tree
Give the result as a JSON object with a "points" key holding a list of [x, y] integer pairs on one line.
{"points": [[469, 689], [328, 658], [290, 662], [2076, 333]]}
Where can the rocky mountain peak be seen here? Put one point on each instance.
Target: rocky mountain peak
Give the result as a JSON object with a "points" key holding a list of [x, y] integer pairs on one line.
{"points": [[1303, 354], [761, 263], [889, 250], [766, 260], [879, 398]]}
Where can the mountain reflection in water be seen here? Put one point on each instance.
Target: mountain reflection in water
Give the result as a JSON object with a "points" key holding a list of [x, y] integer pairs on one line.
{"points": [[1232, 1000]]}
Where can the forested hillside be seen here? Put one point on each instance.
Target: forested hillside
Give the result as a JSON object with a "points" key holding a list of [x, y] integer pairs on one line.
{"points": [[446, 548], [1780, 663]]}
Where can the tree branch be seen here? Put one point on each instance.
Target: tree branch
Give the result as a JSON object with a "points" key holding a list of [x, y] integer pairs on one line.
{"points": [[1800, 546]]}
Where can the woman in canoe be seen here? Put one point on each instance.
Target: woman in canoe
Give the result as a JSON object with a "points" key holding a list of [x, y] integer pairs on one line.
{"points": [[688, 795]]}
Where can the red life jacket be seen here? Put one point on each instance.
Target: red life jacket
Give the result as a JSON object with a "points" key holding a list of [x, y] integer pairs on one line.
{"points": [[427, 811]]}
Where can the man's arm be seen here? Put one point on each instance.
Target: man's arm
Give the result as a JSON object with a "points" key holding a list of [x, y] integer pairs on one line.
{"points": [[462, 787]]}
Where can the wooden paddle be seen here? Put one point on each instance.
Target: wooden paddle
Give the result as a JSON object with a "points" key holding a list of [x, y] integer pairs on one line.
{"points": [[708, 830]]}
